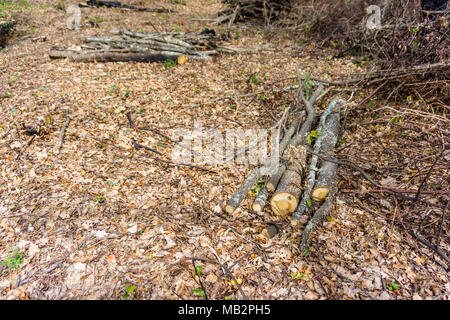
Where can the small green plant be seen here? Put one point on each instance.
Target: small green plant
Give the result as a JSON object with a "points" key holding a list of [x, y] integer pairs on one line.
{"points": [[96, 20], [199, 292], [395, 120], [170, 63], [114, 90], [312, 136], [393, 286], [257, 188], [100, 198], [298, 276], [308, 84], [255, 79], [307, 252], [127, 93], [128, 290], [161, 144], [182, 2], [13, 260], [61, 6], [199, 270]]}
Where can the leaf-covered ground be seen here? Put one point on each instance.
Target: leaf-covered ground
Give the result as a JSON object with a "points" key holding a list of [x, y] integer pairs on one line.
{"points": [[102, 220]]}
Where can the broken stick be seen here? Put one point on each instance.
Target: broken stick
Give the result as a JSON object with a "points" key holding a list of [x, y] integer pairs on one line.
{"points": [[61, 133]]}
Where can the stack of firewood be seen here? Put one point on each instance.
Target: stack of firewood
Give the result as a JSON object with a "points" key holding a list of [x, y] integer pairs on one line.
{"points": [[125, 45], [298, 188]]}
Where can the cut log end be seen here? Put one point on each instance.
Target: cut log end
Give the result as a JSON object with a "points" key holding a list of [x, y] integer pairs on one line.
{"points": [[319, 194], [284, 203], [270, 186], [229, 209], [257, 207], [294, 223]]}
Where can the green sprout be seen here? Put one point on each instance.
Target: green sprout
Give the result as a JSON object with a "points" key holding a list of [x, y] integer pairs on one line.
{"points": [[13, 260], [128, 290]]}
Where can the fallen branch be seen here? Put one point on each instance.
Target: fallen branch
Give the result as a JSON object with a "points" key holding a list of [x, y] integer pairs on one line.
{"points": [[225, 269], [255, 174], [239, 195], [328, 130], [108, 56], [61, 133], [138, 146], [117, 4], [317, 218]]}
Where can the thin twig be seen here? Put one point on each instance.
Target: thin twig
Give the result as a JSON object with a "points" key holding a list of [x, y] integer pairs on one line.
{"points": [[61, 134], [227, 270]]}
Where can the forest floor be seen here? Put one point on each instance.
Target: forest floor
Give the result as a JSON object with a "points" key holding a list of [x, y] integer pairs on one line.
{"points": [[102, 220]]}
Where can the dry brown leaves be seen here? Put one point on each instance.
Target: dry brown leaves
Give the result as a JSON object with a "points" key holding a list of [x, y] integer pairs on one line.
{"points": [[101, 216]]}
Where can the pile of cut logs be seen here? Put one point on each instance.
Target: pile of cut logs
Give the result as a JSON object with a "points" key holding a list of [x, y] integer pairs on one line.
{"points": [[298, 188], [125, 45]]}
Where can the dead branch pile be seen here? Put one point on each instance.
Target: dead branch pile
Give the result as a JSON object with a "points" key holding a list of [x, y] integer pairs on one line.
{"points": [[289, 195], [125, 45], [255, 10], [406, 42], [391, 33]]}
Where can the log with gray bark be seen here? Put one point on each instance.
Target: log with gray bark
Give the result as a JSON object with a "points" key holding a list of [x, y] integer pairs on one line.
{"points": [[272, 183], [285, 199], [261, 199], [327, 130], [117, 4], [318, 216], [109, 56], [237, 197], [325, 186]]}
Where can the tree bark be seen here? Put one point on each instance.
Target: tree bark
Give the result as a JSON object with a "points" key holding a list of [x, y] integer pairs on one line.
{"points": [[328, 130], [272, 184], [243, 190], [110, 56], [260, 201]]}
